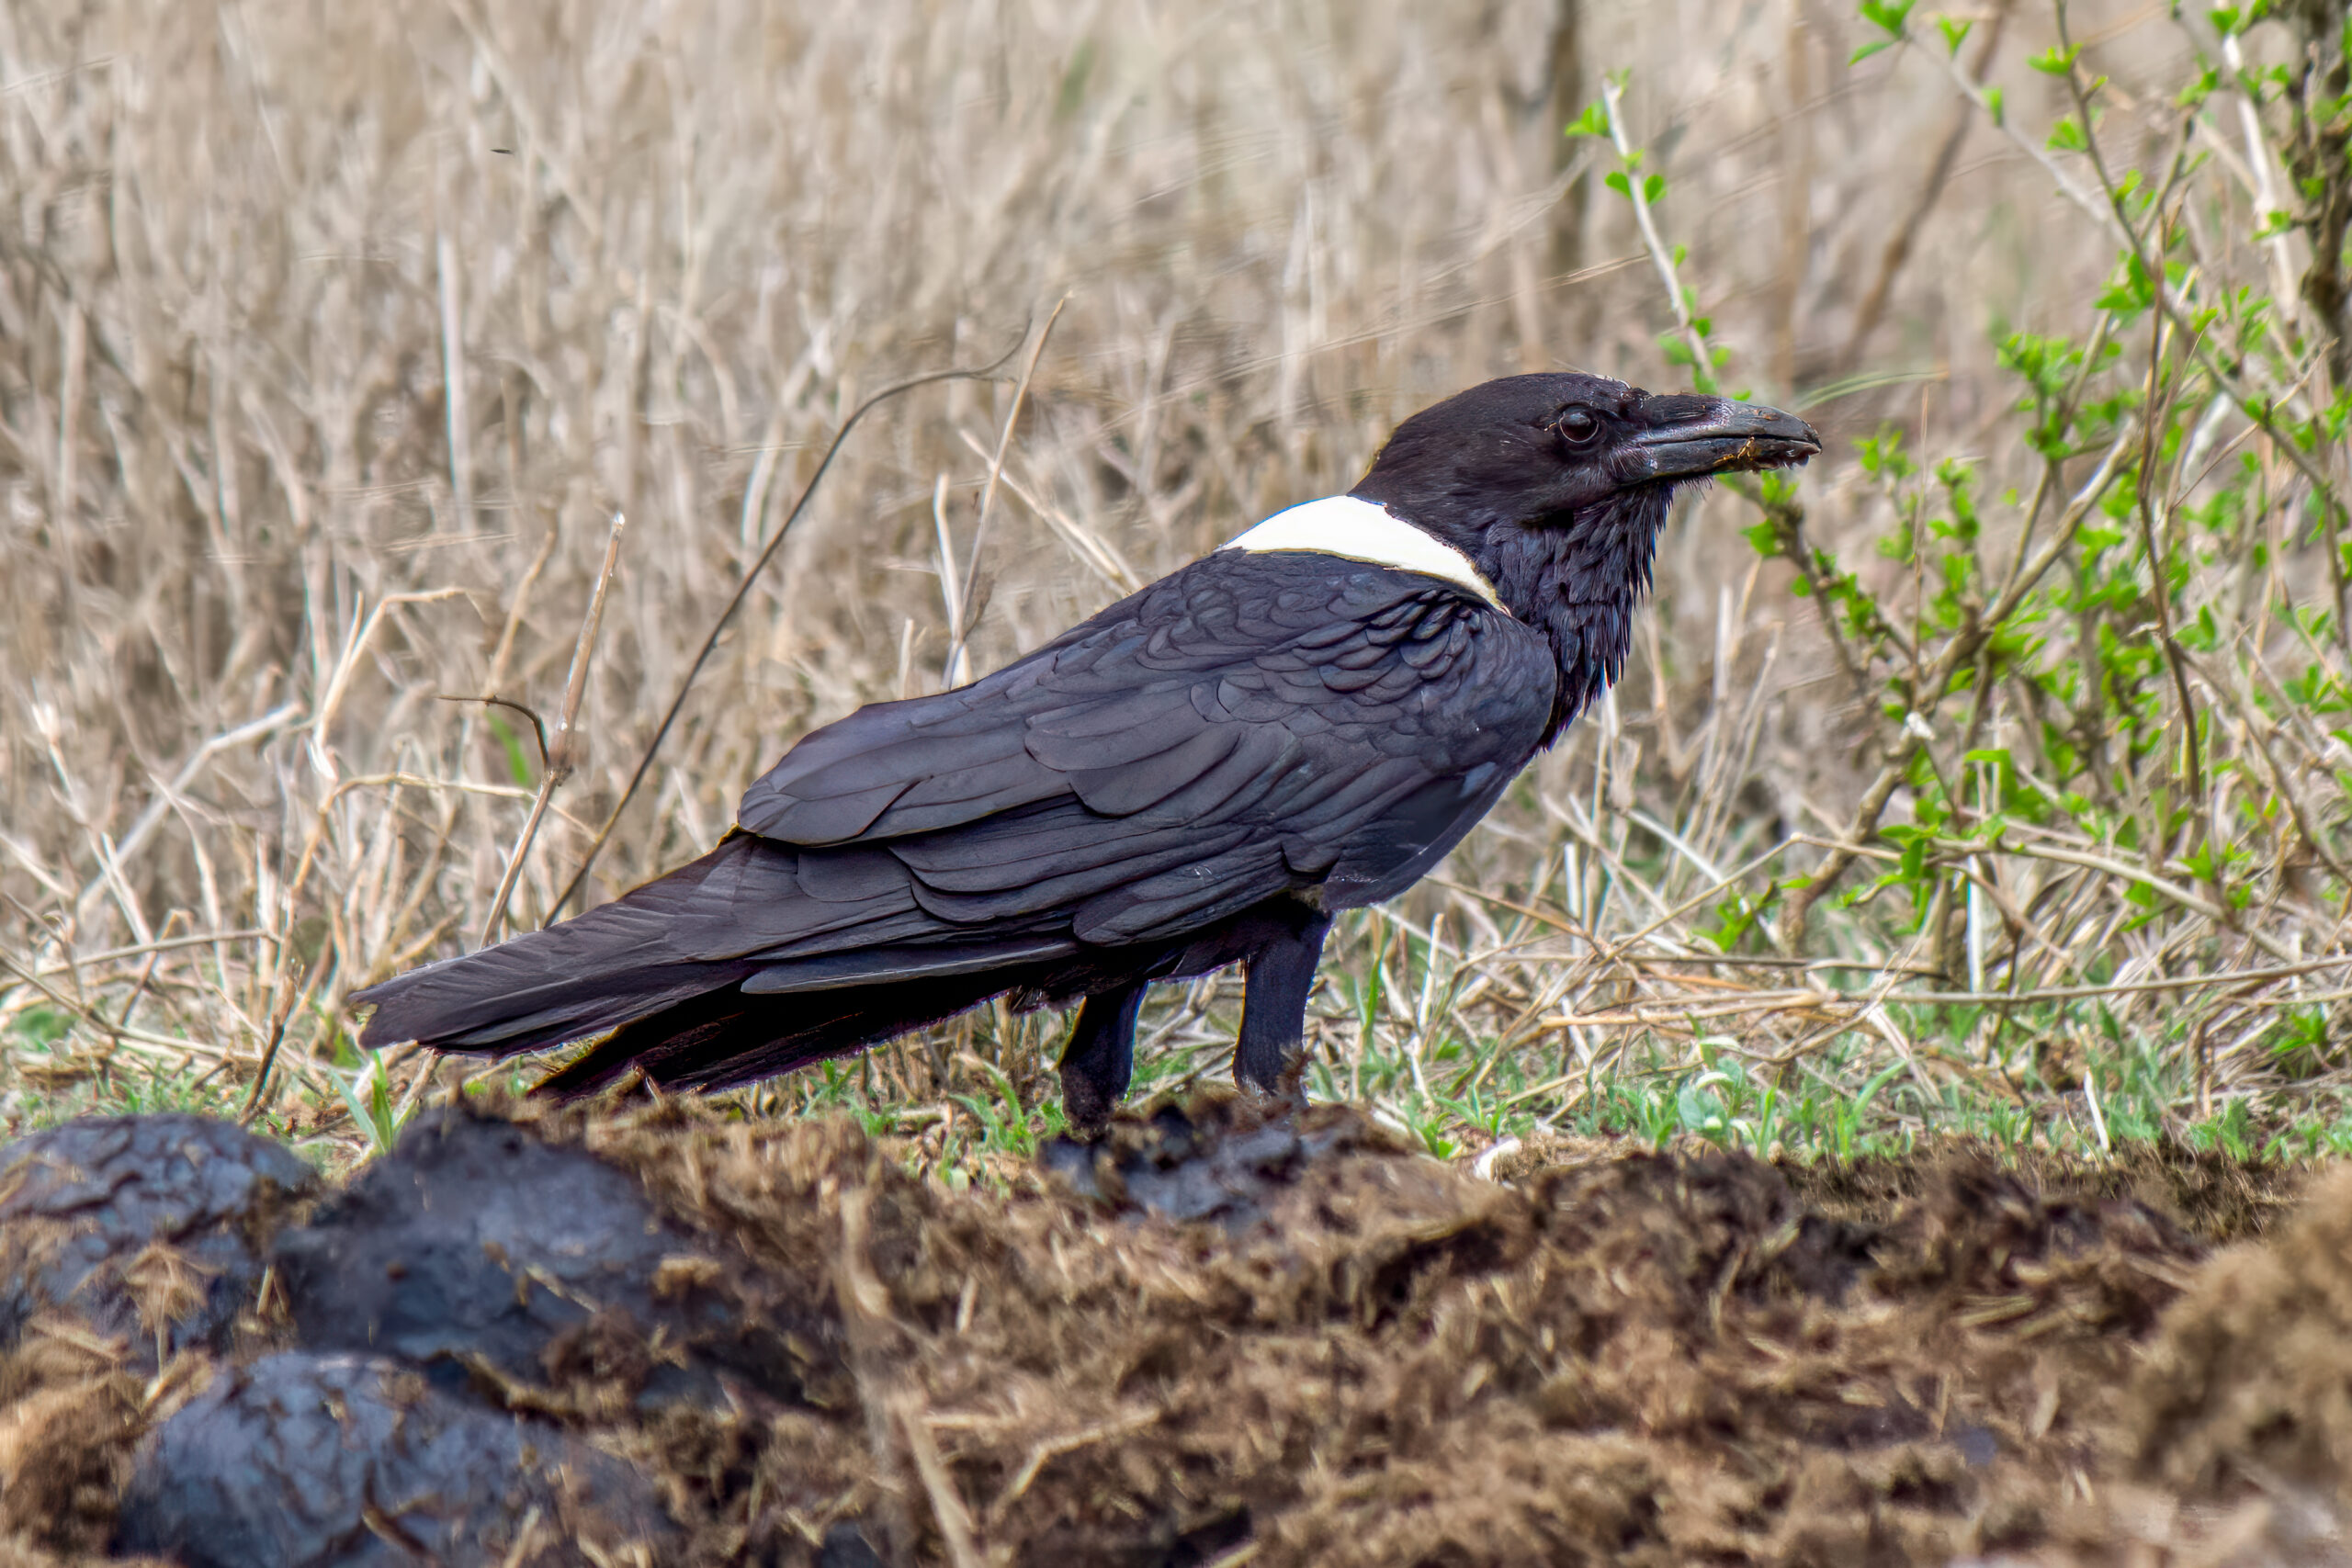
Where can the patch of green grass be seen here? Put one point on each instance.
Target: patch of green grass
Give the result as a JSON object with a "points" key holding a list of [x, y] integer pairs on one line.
{"points": [[119, 1090]]}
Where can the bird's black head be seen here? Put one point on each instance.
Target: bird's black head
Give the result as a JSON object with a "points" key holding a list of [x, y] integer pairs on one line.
{"points": [[1557, 486]]}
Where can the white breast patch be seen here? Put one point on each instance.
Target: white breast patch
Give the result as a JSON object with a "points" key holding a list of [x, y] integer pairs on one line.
{"points": [[1362, 530]]}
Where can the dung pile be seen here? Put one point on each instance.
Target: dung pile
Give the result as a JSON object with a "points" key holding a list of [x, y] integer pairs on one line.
{"points": [[668, 1337], [130, 1253]]}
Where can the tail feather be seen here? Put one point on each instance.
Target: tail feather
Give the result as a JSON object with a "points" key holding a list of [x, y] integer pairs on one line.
{"points": [[664, 973], [586, 975], [738, 966], [727, 1038], [706, 1021]]}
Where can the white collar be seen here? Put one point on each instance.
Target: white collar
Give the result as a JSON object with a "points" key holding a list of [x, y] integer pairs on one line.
{"points": [[1363, 530]]}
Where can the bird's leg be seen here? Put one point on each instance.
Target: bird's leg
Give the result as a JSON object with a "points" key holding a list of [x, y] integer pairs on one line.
{"points": [[1099, 1057], [1270, 1056]]}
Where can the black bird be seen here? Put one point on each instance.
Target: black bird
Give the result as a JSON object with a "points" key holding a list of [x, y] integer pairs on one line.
{"points": [[1302, 722]]}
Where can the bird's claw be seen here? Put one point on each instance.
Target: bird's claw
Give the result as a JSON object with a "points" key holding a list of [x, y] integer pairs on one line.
{"points": [[1287, 1092]]}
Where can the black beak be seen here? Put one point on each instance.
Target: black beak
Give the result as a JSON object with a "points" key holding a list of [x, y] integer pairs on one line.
{"points": [[1693, 437]]}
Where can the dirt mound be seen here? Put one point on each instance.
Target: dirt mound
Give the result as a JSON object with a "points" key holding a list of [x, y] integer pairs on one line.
{"points": [[130, 1252], [2244, 1401], [2216, 1198], [1219, 1338], [477, 1251], [140, 1228], [352, 1461]]}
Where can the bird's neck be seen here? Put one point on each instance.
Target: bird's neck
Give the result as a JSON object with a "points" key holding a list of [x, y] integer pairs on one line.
{"points": [[1577, 579]]}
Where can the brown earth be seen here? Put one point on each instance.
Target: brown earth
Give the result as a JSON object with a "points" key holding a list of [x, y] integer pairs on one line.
{"points": [[1220, 1340]]}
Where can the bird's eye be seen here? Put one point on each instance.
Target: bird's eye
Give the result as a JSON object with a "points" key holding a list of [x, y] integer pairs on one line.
{"points": [[1578, 426]]}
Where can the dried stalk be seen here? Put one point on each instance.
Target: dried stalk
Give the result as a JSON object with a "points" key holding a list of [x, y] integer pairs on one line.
{"points": [[563, 754]]}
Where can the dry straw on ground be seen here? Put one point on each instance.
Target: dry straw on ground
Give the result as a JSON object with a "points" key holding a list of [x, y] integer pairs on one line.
{"points": [[332, 339]]}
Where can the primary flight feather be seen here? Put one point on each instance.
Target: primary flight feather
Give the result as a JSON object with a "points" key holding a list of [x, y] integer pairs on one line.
{"points": [[1205, 773]]}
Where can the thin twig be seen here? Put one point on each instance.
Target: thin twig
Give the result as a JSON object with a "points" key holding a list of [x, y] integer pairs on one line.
{"points": [[1669, 1010], [964, 602], [742, 592], [151, 817], [290, 1002], [539, 725], [1898, 245], [562, 756], [1959, 654], [145, 1041], [2108, 216], [162, 944], [1613, 94], [2157, 399]]}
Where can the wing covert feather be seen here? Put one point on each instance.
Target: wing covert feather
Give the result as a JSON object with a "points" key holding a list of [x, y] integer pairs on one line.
{"points": [[1251, 724]]}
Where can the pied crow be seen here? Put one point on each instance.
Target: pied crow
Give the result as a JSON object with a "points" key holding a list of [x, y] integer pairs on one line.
{"points": [[1301, 722]]}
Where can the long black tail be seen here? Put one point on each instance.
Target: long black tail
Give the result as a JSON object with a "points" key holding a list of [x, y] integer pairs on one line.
{"points": [[639, 968], [610, 966], [726, 1037]]}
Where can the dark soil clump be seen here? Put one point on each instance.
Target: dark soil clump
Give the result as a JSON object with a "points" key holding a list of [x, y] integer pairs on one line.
{"points": [[141, 1228], [1209, 1160], [1219, 1335], [478, 1250], [131, 1251], [303, 1460]]}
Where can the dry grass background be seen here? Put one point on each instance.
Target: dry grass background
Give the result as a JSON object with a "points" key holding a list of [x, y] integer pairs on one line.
{"points": [[331, 336]]}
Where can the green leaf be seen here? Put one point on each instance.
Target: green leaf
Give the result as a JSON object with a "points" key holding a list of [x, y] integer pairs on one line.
{"points": [[1615, 180], [2132, 292], [1870, 49], [1594, 121], [1955, 29], [1994, 100], [368, 1095], [2067, 136], [2055, 61], [1652, 188], [1887, 15], [2275, 223], [1878, 1081], [517, 763]]}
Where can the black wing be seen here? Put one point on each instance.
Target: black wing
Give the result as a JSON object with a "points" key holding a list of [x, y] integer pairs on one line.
{"points": [[1253, 724]]}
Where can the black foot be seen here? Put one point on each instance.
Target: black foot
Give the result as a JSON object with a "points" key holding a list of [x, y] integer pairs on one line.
{"points": [[1099, 1059], [1270, 1058], [1287, 1090]]}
